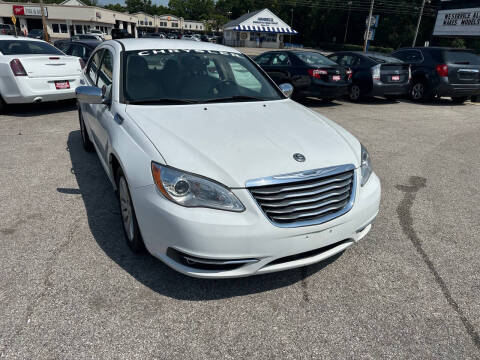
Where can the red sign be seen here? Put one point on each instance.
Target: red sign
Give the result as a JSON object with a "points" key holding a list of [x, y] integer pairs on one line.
{"points": [[18, 10]]}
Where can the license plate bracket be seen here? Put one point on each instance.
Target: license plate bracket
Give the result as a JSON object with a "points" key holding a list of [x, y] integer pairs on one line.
{"points": [[396, 78], [61, 85]]}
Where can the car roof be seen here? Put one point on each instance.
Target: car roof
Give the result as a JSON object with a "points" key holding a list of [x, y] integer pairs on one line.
{"points": [[20, 38], [155, 43]]}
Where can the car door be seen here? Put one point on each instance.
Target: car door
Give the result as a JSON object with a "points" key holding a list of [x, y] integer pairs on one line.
{"points": [[279, 68], [89, 110], [102, 116]]}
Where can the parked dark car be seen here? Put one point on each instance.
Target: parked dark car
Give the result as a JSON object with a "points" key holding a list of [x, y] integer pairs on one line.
{"points": [[438, 71], [80, 48], [120, 34], [154, 35], [310, 73], [7, 29], [374, 74], [36, 34]]}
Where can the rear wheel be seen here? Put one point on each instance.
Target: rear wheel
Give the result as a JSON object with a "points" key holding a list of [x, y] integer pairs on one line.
{"points": [[129, 219], [87, 144], [419, 91], [459, 99], [355, 93], [474, 98]]}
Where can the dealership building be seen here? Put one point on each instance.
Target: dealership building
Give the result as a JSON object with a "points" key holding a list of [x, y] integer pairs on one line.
{"points": [[458, 18], [261, 28], [73, 17]]}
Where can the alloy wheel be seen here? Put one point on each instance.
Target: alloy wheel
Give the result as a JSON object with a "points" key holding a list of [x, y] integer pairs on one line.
{"points": [[355, 93], [417, 91]]}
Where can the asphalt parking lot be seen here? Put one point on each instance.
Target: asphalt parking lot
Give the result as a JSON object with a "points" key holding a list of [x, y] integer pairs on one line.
{"points": [[71, 289]]}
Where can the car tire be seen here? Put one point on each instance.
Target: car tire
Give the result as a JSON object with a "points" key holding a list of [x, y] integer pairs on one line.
{"points": [[355, 93], [86, 142], [419, 91], [459, 99], [127, 213], [3, 105], [474, 98]]}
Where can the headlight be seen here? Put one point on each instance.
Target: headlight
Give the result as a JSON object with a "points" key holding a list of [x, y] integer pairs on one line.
{"points": [[194, 191], [366, 166]]}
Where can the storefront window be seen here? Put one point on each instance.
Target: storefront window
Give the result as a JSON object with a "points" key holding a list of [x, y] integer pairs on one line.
{"points": [[55, 28], [63, 28], [79, 29]]}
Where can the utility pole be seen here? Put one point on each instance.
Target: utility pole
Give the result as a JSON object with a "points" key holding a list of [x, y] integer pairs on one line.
{"points": [[348, 19], [367, 34], [291, 26], [44, 23], [418, 23]]}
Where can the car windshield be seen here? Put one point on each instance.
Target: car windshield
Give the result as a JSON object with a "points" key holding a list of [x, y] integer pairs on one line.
{"points": [[25, 47], [35, 31], [314, 59], [193, 76], [462, 57]]}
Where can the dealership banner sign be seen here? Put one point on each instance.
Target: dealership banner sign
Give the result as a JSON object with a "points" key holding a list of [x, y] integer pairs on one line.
{"points": [[460, 22], [20, 10]]}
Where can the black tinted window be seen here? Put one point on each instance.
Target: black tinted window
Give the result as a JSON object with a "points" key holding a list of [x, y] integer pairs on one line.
{"points": [[409, 56], [25, 47], [462, 57], [384, 59], [263, 59]]}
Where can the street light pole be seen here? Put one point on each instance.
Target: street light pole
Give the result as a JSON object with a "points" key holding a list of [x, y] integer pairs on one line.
{"points": [[418, 23], [367, 34], [44, 23], [348, 19]]}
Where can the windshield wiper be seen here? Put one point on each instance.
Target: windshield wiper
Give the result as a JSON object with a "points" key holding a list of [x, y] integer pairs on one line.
{"points": [[234, 98], [162, 101]]}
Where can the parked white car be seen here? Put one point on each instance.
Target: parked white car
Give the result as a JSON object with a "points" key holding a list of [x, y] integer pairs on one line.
{"points": [[218, 173], [33, 71], [190, 37]]}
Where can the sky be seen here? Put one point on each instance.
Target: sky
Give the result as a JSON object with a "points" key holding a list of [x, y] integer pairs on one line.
{"points": [[122, 2]]}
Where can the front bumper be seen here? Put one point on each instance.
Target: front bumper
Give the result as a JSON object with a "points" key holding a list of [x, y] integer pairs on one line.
{"points": [[221, 235]]}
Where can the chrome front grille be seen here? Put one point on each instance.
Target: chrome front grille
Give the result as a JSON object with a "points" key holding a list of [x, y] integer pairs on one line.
{"points": [[307, 198]]}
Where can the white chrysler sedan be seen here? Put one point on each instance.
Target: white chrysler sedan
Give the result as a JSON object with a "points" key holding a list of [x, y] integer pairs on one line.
{"points": [[33, 71], [218, 173]]}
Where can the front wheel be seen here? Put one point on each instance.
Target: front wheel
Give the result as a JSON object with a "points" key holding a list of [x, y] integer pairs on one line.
{"points": [[355, 93], [459, 99], [129, 219]]}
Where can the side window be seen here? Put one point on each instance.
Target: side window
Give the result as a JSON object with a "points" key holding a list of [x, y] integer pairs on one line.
{"points": [[409, 56], [281, 59], [245, 78], [93, 66], [212, 69], [105, 75], [334, 58], [263, 59]]}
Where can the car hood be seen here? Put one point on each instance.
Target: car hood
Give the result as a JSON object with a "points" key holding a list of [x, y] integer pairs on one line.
{"points": [[236, 142]]}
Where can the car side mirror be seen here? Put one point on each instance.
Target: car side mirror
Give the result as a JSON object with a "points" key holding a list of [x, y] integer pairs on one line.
{"points": [[90, 95], [287, 89]]}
